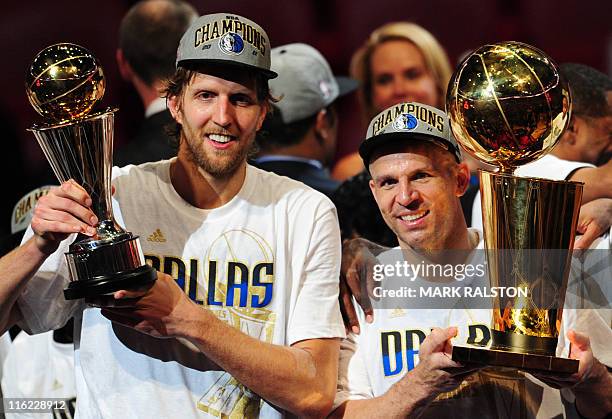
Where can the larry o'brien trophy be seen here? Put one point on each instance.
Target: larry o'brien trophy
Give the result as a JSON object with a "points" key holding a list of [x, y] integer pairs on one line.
{"points": [[508, 106], [63, 83]]}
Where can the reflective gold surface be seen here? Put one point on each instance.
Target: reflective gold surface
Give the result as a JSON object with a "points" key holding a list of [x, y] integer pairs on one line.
{"points": [[508, 104], [529, 230], [64, 81]]}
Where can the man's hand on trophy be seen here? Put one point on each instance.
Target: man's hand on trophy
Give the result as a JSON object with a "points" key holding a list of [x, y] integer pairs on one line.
{"points": [[156, 310], [63, 211], [437, 372], [356, 279], [594, 220], [590, 370]]}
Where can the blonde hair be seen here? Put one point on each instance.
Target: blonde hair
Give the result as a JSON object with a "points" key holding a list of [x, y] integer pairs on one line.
{"points": [[436, 60]]}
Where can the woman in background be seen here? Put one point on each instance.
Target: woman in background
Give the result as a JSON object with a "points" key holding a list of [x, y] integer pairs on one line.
{"points": [[399, 62]]}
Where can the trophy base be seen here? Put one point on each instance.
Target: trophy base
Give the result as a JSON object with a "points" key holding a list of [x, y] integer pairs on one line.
{"points": [[525, 362], [102, 285]]}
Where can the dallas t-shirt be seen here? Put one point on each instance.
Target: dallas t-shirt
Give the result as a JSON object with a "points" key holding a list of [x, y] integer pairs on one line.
{"points": [[267, 263]]}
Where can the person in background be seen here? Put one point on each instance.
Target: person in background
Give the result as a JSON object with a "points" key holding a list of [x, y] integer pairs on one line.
{"points": [[148, 38], [399, 62], [298, 139], [37, 366]]}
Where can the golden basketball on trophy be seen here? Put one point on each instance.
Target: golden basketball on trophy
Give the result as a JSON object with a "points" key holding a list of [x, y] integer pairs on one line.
{"points": [[63, 83], [508, 105]]}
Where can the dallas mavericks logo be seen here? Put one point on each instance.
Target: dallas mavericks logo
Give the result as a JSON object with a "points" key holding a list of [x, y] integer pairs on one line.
{"points": [[231, 43], [405, 122]]}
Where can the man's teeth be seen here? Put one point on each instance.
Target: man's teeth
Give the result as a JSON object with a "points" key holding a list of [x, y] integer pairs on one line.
{"points": [[220, 138], [414, 216]]}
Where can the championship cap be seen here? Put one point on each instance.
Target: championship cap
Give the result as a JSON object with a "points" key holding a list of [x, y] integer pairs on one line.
{"points": [[409, 121], [305, 82], [226, 38]]}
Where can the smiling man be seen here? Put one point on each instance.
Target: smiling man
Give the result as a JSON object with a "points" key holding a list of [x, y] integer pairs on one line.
{"points": [[247, 294], [399, 365]]}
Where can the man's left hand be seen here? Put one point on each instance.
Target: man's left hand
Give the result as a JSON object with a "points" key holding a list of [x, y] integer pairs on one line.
{"points": [[588, 369], [156, 310]]}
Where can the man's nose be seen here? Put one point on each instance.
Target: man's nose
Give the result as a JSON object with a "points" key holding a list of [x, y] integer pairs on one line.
{"points": [[407, 194], [224, 111]]}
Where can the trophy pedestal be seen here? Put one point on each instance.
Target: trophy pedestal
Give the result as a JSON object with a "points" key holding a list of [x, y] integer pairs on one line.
{"points": [[522, 361], [99, 267], [137, 278]]}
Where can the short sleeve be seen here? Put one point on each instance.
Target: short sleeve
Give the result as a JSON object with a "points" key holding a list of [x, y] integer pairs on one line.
{"points": [[353, 382], [316, 313], [42, 301]]}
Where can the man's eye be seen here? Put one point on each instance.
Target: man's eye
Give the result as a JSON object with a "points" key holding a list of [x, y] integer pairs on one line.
{"points": [[242, 100], [421, 175], [387, 183], [205, 95]]}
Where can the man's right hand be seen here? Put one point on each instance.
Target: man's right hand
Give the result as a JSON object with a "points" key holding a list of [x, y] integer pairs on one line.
{"points": [[436, 372], [63, 211], [356, 279]]}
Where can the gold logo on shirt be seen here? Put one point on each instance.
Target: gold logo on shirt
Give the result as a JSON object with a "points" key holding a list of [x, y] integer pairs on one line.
{"points": [[157, 236]]}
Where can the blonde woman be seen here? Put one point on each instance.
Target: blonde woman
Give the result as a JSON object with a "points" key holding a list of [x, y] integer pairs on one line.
{"points": [[399, 62]]}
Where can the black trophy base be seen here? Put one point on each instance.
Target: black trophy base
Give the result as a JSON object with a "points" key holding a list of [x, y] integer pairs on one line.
{"points": [[526, 362], [108, 284]]}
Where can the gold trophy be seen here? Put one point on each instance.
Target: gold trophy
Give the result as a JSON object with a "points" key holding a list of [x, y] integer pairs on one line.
{"points": [[508, 106], [63, 83]]}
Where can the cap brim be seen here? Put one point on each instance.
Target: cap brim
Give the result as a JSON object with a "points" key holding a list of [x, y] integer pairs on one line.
{"points": [[269, 74], [346, 85], [366, 149]]}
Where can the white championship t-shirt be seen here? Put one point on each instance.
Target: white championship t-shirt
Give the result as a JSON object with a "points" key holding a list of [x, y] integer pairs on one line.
{"points": [[385, 350], [266, 263]]}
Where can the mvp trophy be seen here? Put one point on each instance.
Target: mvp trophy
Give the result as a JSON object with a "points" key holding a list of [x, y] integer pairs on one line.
{"points": [[63, 83], [508, 106]]}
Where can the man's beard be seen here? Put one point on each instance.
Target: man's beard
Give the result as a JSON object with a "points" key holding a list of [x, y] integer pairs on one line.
{"points": [[217, 166]]}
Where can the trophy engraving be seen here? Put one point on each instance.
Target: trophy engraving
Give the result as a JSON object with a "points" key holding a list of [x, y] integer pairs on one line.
{"points": [[508, 106], [63, 83]]}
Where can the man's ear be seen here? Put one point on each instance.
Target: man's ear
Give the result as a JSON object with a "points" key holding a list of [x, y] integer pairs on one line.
{"points": [[174, 106], [125, 69], [321, 126], [373, 189], [570, 135], [463, 178], [265, 108], [322, 120]]}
